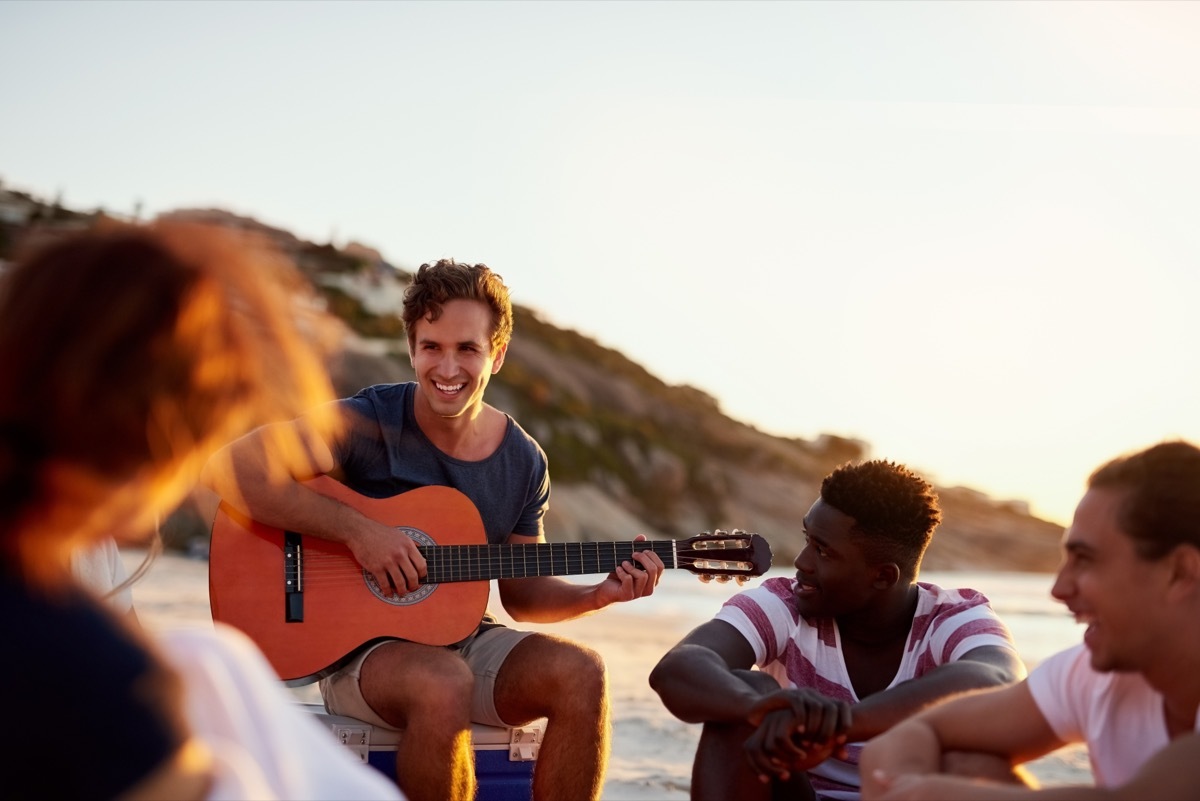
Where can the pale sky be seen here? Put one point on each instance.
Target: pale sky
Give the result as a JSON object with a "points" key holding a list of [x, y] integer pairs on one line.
{"points": [[967, 233]]}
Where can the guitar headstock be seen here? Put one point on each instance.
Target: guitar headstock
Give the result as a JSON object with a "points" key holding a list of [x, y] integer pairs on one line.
{"points": [[725, 555]]}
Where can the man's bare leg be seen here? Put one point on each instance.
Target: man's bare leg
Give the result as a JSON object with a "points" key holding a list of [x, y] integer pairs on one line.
{"points": [[721, 770], [425, 691], [565, 683]]}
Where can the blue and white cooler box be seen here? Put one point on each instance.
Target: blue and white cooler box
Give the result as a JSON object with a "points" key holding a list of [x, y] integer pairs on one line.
{"points": [[504, 757]]}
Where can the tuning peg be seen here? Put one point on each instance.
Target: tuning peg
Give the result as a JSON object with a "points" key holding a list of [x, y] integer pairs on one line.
{"points": [[705, 577], [723, 579], [740, 580]]}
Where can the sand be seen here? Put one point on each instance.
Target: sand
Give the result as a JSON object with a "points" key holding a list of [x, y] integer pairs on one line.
{"points": [[652, 751]]}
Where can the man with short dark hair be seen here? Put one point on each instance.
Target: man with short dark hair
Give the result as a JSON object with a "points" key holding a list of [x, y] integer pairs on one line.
{"points": [[846, 649], [1130, 690]]}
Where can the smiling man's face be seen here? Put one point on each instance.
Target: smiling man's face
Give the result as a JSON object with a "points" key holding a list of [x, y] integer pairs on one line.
{"points": [[833, 575], [1107, 585]]}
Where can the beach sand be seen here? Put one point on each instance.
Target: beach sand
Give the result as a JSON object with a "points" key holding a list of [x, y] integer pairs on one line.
{"points": [[651, 752]]}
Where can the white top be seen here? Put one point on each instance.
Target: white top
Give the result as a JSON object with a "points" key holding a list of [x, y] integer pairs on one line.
{"points": [[266, 745], [802, 653], [1119, 715]]}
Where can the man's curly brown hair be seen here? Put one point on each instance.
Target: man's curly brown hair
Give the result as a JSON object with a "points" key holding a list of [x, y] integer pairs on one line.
{"points": [[895, 510], [437, 284]]}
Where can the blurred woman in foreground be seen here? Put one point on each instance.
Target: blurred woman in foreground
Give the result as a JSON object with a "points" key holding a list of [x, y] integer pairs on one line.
{"points": [[127, 356]]}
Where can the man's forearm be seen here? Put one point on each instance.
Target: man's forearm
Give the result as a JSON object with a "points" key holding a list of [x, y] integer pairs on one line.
{"points": [[908, 747], [883, 710], [547, 599]]}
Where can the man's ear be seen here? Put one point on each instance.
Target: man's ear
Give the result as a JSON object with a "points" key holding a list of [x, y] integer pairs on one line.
{"points": [[1185, 569], [886, 575], [498, 359]]}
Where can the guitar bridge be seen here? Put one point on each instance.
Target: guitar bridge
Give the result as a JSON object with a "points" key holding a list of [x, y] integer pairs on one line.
{"points": [[293, 578]]}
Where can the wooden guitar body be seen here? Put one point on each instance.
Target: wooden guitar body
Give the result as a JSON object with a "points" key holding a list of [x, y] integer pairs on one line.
{"points": [[341, 610], [310, 607]]}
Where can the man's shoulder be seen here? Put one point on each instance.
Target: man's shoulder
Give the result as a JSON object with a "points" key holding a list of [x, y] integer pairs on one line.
{"points": [[960, 609], [379, 398], [385, 391], [515, 434], [774, 590], [949, 600]]}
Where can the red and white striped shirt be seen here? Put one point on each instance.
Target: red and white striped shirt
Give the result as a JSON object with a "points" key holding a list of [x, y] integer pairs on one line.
{"points": [[800, 652]]}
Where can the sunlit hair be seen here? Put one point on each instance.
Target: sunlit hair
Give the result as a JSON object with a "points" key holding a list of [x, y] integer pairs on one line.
{"points": [[895, 510], [437, 284], [128, 354], [1161, 505]]}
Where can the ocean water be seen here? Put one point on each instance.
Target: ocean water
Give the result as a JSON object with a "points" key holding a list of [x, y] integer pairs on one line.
{"points": [[651, 750], [1038, 622]]}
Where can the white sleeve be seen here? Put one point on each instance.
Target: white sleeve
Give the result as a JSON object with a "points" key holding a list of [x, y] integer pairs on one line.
{"points": [[1056, 684], [763, 618], [266, 745]]}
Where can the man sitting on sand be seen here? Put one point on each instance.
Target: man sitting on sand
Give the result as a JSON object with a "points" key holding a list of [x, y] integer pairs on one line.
{"points": [[1130, 690], [848, 648]]}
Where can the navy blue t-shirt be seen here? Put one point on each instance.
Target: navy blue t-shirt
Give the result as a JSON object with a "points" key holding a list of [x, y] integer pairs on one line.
{"points": [[383, 453]]}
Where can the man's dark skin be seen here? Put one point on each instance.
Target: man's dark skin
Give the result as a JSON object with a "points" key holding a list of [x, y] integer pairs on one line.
{"points": [[707, 677]]}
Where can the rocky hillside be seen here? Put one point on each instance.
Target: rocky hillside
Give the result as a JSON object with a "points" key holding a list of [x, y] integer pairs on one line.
{"points": [[630, 454]]}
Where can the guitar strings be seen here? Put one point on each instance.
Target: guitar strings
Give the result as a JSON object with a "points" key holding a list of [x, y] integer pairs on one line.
{"points": [[322, 568]]}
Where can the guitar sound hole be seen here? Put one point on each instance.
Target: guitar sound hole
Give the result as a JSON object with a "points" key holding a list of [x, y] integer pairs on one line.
{"points": [[415, 597]]}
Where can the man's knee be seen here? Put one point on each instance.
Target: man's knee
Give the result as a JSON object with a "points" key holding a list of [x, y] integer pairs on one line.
{"points": [[576, 668], [435, 682], [550, 677]]}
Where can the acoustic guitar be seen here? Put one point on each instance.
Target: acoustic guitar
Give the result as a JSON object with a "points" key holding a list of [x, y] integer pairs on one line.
{"points": [[311, 607]]}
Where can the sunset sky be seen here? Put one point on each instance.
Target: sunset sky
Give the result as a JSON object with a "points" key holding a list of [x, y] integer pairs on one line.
{"points": [[967, 233]]}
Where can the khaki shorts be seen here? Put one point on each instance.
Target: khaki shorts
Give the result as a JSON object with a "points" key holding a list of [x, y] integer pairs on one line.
{"points": [[485, 652]]}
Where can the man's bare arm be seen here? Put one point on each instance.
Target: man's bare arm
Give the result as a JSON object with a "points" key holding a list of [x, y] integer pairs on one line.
{"points": [[1004, 722], [262, 474], [548, 599], [980, 668], [695, 679], [1173, 774]]}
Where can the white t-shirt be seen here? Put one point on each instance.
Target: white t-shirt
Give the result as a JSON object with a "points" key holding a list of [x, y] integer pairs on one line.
{"points": [[800, 653], [1119, 715], [266, 746]]}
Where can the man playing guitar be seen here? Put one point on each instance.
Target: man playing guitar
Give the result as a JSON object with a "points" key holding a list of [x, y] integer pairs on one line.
{"points": [[438, 431]]}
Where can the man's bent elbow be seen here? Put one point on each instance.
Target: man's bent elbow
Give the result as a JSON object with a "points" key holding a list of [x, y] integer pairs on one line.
{"points": [[663, 674], [995, 670], [1004, 675]]}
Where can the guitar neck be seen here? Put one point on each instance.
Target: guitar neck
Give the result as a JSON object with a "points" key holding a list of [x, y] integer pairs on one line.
{"points": [[485, 562]]}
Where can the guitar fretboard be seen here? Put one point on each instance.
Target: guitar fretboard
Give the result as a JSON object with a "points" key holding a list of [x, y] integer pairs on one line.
{"points": [[486, 562]]}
